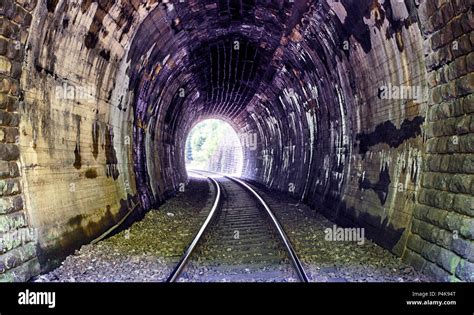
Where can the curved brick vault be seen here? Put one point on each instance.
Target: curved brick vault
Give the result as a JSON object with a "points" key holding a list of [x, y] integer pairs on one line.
{"points": [[96, 99]]}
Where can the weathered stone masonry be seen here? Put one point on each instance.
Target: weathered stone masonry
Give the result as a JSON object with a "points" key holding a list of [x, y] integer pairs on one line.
{"points": [[443, 226], [18, 260], [96, 98]]}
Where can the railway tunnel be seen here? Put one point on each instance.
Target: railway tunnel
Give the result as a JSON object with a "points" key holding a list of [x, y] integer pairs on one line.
{"points": [[362, 110]]}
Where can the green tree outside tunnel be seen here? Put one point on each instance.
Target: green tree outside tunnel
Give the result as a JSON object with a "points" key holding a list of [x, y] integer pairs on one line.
{"points": [[203, 142]]}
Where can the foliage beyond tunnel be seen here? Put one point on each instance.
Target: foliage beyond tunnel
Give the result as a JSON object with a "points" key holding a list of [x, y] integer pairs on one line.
{"points": [[213, 145]]}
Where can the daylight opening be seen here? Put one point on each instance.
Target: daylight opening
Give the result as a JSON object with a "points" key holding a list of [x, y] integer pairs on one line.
{"points": [[214, 146]]}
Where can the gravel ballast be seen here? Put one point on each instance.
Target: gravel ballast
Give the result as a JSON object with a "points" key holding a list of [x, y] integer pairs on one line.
{"points": [[336, 261], [149, 250]]}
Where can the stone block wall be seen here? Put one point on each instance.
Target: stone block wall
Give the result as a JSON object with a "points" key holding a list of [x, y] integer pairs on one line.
{"points": [[18, 261], [442, 238]]}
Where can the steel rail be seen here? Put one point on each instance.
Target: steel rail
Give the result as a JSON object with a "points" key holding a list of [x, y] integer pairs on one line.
{"points": [[281, 232], [187, 254]]}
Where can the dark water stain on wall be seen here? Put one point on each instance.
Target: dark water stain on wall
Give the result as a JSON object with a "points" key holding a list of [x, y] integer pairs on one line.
{"points": [[110, 154], [65, 23], [92, 36], [95, 139], [85, 5], [105, 53], [51, 5], [91, 40], [124, 20], [77, 157], [380, 187], [396, 25], [354, 23], [358, 10], [389, 134], [91, 173], [79, 233], [77, 151], [380, 231]]}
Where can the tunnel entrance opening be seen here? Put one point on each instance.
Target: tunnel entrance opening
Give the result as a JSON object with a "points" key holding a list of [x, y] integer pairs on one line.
{"points": [[213, 145]]}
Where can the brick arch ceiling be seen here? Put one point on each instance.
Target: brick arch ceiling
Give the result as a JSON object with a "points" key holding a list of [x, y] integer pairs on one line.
{"points": [[107, 90]]}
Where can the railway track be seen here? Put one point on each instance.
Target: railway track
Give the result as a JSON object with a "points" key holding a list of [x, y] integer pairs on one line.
{"points": [[240, 240]]}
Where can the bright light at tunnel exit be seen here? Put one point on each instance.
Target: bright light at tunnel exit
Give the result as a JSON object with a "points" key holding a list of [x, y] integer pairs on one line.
{"points": [[213, 145]]}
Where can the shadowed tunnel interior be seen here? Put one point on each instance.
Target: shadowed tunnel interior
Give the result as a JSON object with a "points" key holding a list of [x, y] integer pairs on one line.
{"points": [[360, 109]]}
